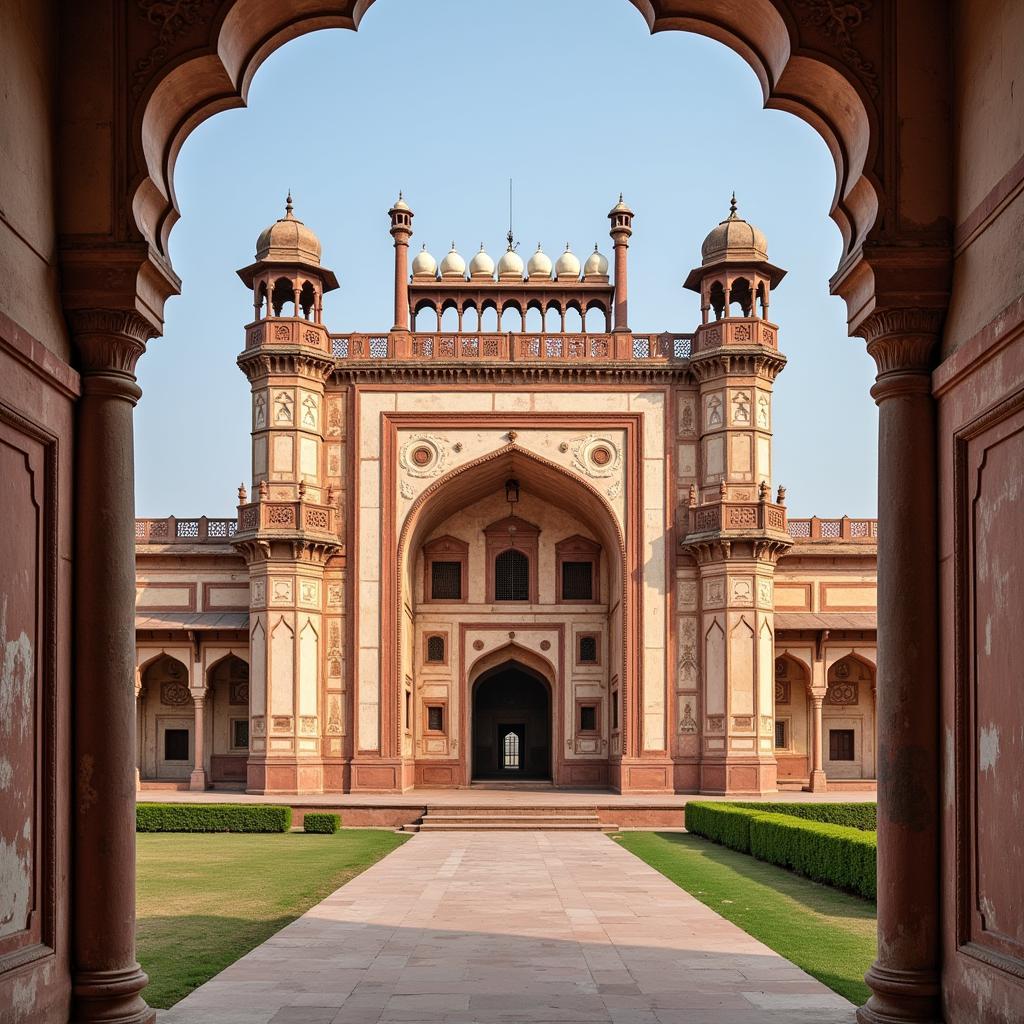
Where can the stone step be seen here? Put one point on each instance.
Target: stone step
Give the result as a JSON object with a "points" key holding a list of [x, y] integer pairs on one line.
{"points": [[500, 825], [541, 819], [502, 810]]}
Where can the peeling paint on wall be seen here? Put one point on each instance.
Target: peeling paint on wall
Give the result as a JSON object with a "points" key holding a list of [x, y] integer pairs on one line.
{"points": [[988, 748]]}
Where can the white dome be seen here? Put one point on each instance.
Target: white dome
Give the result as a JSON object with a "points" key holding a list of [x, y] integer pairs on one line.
{"points": [[423, 264], [510, 265], [453, 265], [568, 265], [481, 265], [596, 265], [539, 265]]}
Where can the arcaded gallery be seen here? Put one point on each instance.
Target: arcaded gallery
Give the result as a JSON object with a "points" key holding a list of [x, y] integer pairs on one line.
{"points": [[569, 557], [540, 544]]}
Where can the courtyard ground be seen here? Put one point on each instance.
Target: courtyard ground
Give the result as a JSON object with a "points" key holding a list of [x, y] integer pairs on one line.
{"points": [[529, 926], [204, 900], [830, 934]]}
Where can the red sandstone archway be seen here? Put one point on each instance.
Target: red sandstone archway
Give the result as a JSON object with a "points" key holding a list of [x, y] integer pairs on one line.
{"points": [[862, 74]]}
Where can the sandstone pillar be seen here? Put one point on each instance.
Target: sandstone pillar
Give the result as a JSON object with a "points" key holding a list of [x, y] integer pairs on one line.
{"points": [[401, 230], [621, 217], [197, 780], [818, 781], [107, 980], [905, 978]]}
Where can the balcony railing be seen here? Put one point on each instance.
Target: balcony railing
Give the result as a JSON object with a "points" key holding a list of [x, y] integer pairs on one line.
{"points": [[864, 531], [287, 517], [736, 515], [184, 531], [509, 347]]}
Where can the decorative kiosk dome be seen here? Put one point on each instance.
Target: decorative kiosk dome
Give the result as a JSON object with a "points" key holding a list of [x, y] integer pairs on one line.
{"points": [[539, 265], [734, 240], [424, 266], [453, 265], [481, 265], [596, 265], [568, 266], [510, 266], [288, 240]]}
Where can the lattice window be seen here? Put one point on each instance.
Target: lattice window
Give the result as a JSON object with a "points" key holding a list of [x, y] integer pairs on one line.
{"points": [[781, 739], [240, 733], [378, 348], [588, 649], [642, 348], [186, 528], [681, 347], [435, 718], [553, 347], [512, 576], [435, 648], [446, 581], [510, 759], [339, 348], [577, 581]]}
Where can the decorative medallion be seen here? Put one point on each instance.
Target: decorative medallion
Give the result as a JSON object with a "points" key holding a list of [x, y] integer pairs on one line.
{"points": [[259, 725], [841, 693], [423, 456], [239, 693], [595, 455], [615, 490], [174, 694], [478, 645], [545, 645], [843, 670]]}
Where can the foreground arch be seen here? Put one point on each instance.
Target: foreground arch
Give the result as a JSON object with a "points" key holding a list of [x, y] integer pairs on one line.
{"points": [[876, 80]]}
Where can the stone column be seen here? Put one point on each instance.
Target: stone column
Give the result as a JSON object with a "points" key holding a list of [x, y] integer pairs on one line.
{"points": [[819, 784], [197, 780], [106, 979], [621, 217], [904, 978]]}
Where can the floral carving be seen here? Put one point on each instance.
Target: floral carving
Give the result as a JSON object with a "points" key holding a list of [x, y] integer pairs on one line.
{"points": [[688, 723], [838, 19], [423, 456], [174, 694], [171, 19]]}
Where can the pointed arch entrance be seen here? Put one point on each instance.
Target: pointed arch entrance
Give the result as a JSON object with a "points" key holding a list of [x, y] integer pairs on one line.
{"points": [[511, 722]]}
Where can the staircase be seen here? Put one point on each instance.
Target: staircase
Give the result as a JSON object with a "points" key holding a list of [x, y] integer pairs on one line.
{"points": [[497, 818]]}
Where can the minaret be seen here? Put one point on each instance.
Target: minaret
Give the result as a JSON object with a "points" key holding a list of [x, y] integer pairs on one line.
{"points": [[621, 217], [734, 531], [290, 527], [401, 231]]}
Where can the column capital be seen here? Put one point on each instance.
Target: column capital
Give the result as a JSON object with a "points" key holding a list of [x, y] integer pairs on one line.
{"points": [[902, 340], [109, 344]]}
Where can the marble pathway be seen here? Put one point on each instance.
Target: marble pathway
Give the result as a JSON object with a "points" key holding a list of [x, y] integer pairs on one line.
{"points": [[511, 927]]}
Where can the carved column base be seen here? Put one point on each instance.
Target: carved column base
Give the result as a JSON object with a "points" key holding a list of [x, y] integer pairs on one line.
{"points": [[818, 783], [197, 780], [111, 996], [901, 997]]}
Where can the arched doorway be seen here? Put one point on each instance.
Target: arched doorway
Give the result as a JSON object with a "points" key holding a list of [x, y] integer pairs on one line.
{"points": [[511, 724]]}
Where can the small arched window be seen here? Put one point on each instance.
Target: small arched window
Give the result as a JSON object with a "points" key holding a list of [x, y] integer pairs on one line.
{"points": [[512, 576]]}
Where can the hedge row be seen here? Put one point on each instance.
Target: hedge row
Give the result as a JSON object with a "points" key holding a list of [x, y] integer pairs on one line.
{"points": [[835, 854], [860, 815], [324, 824], [212, 818]]}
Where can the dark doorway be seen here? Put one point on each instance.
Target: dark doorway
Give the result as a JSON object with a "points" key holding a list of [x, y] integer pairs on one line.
{"points": [[511, 724]]}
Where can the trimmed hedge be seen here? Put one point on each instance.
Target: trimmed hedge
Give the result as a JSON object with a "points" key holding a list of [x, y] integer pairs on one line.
{"points": [[860, 815], [324, 824], [837, 855], [212, 818]]}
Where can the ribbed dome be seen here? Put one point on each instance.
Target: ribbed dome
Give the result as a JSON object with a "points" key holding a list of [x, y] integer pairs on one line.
{"points": [[568, 265], [734, 239], [453, 265], [423, 264], [539, 265], [510, 265], [481, 265], [596, 265], [288, 240]]}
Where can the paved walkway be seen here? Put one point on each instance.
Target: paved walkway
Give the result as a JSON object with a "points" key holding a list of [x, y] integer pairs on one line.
{"points": [[528, 927]]}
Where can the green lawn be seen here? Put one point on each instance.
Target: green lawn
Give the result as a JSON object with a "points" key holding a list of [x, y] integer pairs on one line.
{"points": [[827, 933], [204, 900]]}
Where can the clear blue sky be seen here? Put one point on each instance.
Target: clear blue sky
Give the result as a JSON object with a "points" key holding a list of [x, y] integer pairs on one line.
{"points": [[446, 99]]}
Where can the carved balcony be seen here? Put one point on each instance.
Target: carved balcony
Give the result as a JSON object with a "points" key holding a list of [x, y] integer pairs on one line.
{"points": [[736, 332], [287, 332]]}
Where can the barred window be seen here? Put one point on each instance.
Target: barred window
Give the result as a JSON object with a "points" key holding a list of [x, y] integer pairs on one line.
{"points": [[446, 581], [435, 648], [435, 718], [780, 735], [588, 649], [577, 581], [615, 709], [512, 576]]}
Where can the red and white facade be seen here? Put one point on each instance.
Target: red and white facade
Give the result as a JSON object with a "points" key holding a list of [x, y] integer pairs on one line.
{"points": [[550, 557]]}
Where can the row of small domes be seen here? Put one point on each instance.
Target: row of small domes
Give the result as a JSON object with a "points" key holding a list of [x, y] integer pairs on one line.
{"points": [[510, 266]]}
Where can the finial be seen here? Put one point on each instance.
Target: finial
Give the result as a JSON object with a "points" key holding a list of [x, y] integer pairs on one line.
{"points": [[620, 197], [595, 247], [263, 490], [302, 489], [453, 245], [732, 205], [242, 496], [288, 204], [763, 491], [399, 195], [780, 498], [721, 489]]}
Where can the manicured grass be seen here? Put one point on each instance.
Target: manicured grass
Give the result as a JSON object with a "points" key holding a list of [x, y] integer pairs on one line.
{"points": [[205, 900], [827, 933]]}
